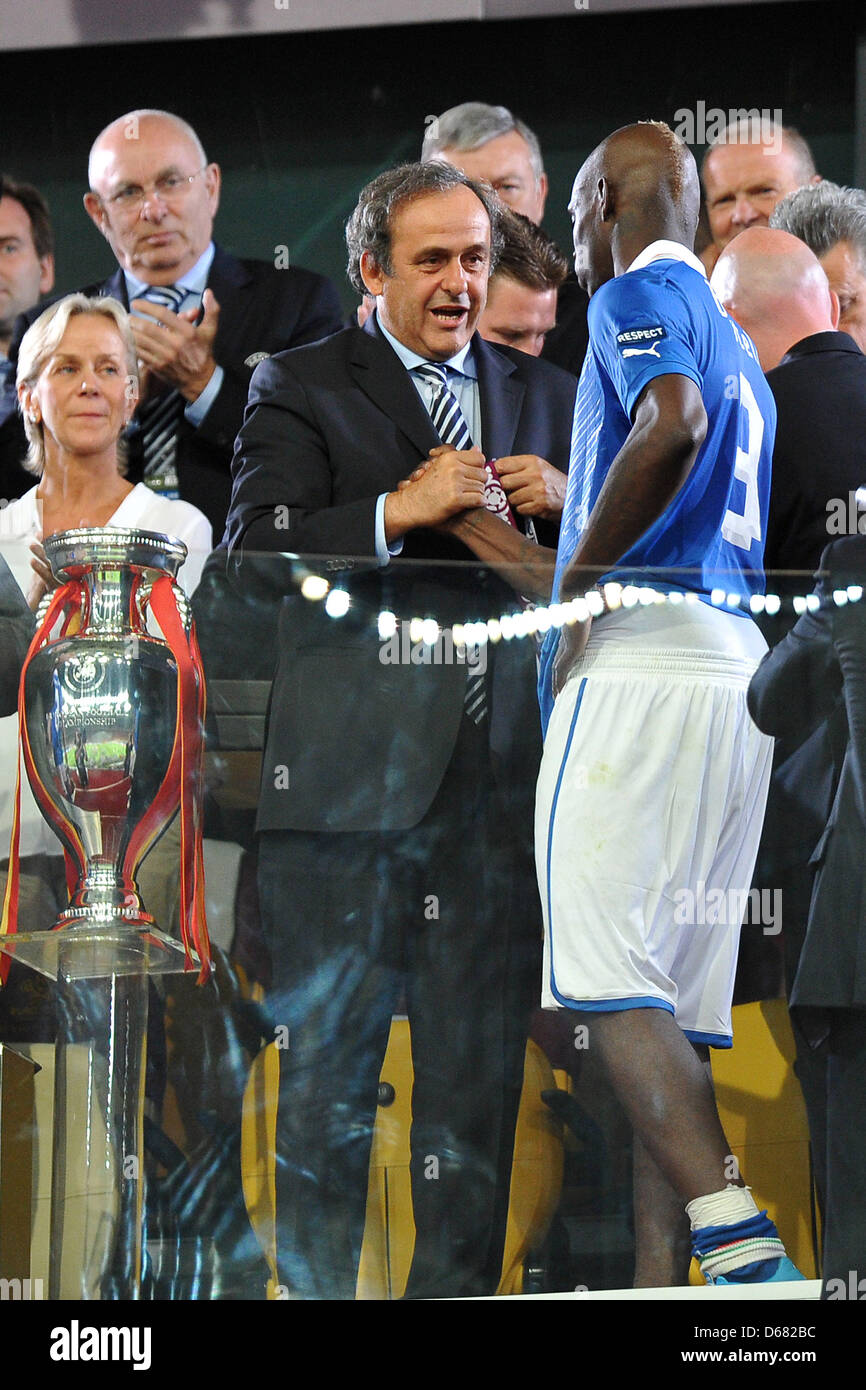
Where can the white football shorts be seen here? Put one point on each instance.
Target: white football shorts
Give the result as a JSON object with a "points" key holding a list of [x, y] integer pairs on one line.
{"points": [[649, 810]]}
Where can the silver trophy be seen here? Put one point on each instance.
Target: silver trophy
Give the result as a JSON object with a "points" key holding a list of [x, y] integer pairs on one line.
{"points": [[110, 717], [100, 725]]}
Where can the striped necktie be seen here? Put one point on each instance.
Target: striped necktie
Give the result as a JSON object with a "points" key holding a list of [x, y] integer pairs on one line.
{"points": [[448, 419], [450, 424], [160, 415]]}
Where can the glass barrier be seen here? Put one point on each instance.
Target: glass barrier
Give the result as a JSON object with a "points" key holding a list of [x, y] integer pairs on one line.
{"points": [[447, 958]]}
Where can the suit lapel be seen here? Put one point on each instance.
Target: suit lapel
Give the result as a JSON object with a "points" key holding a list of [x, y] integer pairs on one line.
{"points": [[501, 397], [115, 288], [226, 275], [381, 375], [226, 279]]}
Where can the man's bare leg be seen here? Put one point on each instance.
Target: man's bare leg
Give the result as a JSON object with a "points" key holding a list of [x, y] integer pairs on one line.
{"points": [[667, 1095], [663, 1251]]}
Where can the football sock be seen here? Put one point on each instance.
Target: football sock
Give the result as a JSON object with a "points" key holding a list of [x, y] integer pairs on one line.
{"points": [[729, 1234]]}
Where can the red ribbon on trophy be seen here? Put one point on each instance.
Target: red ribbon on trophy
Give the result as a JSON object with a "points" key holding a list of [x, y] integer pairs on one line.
{"points": [[185, 777]]}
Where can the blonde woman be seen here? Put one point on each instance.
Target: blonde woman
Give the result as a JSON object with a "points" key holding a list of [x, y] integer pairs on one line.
{"points": [[77, 390]]}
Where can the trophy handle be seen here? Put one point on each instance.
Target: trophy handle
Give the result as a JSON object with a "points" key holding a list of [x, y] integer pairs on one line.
{"points": [[42, 610], [184, 778], [63, 602], [144, 594]]}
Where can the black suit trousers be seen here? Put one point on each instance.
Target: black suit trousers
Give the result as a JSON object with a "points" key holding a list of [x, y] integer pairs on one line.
{"points": [[838, 1126], [356, 923]]}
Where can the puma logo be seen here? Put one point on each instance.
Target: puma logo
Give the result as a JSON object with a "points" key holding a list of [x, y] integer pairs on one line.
{"points": [[641, 352]]}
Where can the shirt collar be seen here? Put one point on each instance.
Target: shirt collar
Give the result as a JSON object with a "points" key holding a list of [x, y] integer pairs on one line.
{"points": [[194, 280], [462, 361], [830, 340], [667, 251]]}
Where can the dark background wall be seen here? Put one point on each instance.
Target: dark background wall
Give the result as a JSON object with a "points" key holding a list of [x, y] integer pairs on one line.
{"points": [[299, 121]]}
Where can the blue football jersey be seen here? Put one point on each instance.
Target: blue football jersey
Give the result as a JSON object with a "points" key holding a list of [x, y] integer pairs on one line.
{"points": [[663, 318]]}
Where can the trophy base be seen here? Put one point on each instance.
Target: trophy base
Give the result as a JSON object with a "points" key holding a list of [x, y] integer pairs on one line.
{"points": [[98, 951]]}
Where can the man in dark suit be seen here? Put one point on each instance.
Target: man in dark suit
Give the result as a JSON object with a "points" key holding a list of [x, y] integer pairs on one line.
{"points": [[16, 629], [748, 168], [395, 816], [773, 285], [817, 677], [26, 272], [521, 300], [202, 319], [775, 288]]}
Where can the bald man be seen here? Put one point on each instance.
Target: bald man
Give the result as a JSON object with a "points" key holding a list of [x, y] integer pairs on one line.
{"points": [[638, 820], [776, 289], [203, 320]]}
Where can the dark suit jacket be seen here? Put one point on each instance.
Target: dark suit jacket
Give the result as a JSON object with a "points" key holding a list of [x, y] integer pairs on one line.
{"points": [[328, 429], [566, 344], [14, 481], [820, 449], [818, 674], [16, 630], [819, 453], [262, 310]]}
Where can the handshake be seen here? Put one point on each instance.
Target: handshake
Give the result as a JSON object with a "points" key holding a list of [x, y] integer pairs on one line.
{"points": [[453, 481]]}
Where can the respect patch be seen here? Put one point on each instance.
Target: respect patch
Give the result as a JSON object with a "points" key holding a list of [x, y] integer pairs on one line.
{"points": [[634, 336]]}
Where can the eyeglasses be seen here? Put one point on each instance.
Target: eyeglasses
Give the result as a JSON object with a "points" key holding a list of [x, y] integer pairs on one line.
{"points": [[168, 188]]}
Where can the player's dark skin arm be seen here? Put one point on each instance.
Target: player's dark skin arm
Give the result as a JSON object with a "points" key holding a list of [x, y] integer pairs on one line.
{"points": [[521, 562], [670, 425], [525, 565]]}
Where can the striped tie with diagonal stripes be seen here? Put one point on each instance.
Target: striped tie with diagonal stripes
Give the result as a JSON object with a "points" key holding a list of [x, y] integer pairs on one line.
{"points": [[448, 419], [160, 415], [450, 424]]}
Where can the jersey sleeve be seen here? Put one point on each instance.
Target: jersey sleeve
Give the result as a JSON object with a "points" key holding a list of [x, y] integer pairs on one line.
{"points": [[641, 329]]}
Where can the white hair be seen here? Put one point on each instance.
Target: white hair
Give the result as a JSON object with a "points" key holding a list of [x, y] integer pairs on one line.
{"points": [[473, 124], [42, 340]]}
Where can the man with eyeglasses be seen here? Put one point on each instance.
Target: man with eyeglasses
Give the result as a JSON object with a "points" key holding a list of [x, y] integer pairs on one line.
{"points": [[202, 319]]}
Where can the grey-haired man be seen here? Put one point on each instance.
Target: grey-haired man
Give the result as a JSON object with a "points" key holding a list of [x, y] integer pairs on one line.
{"points": [[491, 143], [832, 222]]}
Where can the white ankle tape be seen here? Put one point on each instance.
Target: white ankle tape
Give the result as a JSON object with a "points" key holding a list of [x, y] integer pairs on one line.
{"points": [[726, 1208]]}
